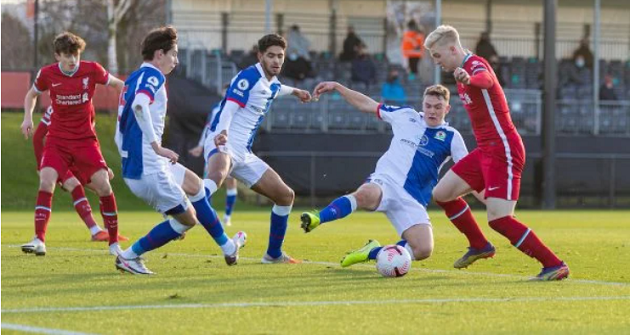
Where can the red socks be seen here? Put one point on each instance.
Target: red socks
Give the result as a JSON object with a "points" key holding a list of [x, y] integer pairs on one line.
{"points": [[82, 206], [461, 216], [42, 213], [110, 216], [525, 240]]}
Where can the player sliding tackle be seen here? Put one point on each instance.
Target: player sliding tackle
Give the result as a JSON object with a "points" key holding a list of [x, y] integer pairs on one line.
{"points": [[150, 170], [405, 175], [496, 164]]}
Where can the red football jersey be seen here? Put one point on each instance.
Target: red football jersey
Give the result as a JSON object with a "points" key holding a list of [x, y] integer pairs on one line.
{"points": [[71, 98], [487, 108]]}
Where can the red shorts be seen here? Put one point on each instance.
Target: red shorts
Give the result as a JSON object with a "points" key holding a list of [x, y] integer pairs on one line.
{"points": [[73, 172], [81, 158], [498, 172]]}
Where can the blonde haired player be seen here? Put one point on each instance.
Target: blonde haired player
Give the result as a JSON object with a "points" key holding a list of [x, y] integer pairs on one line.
{"points": [[495, 165]]}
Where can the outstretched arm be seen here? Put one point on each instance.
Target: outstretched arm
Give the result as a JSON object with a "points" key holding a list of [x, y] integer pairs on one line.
{"points": [[356, 99], [116, 83], [303, 95]]}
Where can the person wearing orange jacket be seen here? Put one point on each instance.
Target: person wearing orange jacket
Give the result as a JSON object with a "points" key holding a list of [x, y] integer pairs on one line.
{"points": [[412, 47]]}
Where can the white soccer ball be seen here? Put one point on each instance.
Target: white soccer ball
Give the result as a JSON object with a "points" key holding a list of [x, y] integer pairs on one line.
{"points": [[393, 261]]}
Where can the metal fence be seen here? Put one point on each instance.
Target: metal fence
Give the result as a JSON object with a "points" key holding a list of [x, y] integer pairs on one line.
{"points": [[573, 117], [239, 31], [583, 180]]}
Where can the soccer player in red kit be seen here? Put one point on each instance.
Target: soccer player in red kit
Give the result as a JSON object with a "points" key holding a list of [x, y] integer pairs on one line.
{"points": [[71, 183], [71, 140], [494, 166]]}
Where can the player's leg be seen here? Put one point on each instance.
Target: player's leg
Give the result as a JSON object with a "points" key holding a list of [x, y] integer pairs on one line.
{"points": [[182, 220], [463, 178], [47, 180], [82, 206], [230, 199], [501, 218], [217, 170], [273, 187], [367, 197], [206, 215], [109, 210]]}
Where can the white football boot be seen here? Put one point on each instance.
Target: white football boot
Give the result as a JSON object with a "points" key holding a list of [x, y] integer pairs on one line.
{"points": [[35, 246]]}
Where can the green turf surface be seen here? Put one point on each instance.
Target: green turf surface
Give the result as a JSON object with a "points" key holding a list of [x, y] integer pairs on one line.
{"points": [[195, 292]]}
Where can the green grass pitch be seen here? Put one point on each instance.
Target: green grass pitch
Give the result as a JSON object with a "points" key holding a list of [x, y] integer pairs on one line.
{"points": [[76, 288]]}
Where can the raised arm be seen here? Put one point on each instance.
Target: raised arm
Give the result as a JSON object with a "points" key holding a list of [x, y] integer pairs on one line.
{"points": [[481, 79], [356, 99]]}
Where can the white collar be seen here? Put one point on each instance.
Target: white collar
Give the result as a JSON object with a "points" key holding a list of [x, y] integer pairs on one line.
{"points": [[262, 72]]}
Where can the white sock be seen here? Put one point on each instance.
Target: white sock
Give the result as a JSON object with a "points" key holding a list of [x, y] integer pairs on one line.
{"points": [[231, 191], [229, 247], [408, 247], [210, 185], [353, 201], [95, 230], [129, 254]]}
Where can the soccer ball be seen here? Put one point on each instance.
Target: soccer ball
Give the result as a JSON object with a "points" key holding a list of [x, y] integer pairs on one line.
{"points": [[393, 261]]}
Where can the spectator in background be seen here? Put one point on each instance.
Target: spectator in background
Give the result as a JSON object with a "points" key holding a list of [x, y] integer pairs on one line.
{"points": [[351, 46], [413, 47], [250, 59], [392, 91], [485, 48], [297, 65], [363, 67], [495, 63], [607, 92], [298, 45], [578, 73], [585, 52]]}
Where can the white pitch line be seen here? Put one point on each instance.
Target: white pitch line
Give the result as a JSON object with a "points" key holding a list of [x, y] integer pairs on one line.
{"points": [[309, 303], [39, 330], [458, 272]]}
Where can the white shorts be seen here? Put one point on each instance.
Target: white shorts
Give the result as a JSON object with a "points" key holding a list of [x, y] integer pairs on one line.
{"points": [[162, 190], [402, 210], [246, 167]]}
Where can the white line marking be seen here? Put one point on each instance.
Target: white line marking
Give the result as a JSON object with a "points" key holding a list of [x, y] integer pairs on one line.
{"points": [[307, 303], [39, 330], [458, 272]]}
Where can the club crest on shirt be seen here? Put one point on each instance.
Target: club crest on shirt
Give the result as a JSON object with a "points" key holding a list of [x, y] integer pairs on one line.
{"points": [[242, 84], [440, 135], [424, 140], [86, 80]]}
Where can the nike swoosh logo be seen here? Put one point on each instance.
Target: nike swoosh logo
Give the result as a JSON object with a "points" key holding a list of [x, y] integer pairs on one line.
{"points": [[55, 85], [493, 188]]}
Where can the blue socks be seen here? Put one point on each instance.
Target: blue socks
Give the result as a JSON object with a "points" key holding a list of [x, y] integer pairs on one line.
{"points": [[339, 208], [159, 236], [208, 217], [229, 201], [279, 218], [374, 252]]}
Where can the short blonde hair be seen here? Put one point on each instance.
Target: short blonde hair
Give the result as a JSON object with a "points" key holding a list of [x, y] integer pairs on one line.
{"points": [[442, 35], [438, 91]]}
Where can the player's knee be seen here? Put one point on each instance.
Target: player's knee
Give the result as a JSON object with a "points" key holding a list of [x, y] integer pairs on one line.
{"points": [[422, 252], [70, 184], [287, 197], [217, 176], [440, 195], [46, 185], [366, 200]]}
